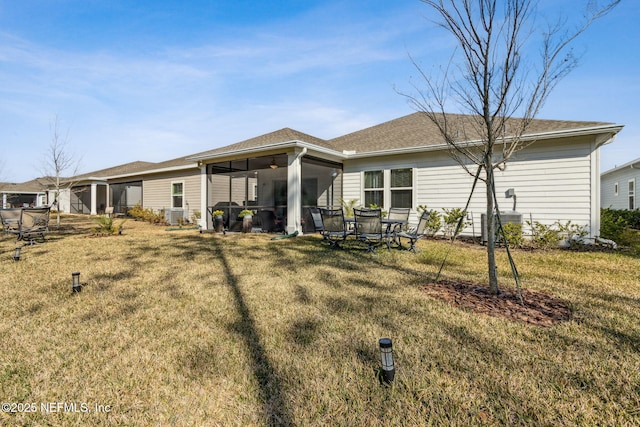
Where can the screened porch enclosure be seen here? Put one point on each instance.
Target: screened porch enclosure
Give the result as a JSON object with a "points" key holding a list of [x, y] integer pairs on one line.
{"points": [[125, 196], [266, 183]]}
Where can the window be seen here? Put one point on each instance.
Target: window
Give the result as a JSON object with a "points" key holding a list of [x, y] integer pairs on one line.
{"points": [[401, 188], [177, 194], [615, 189], [395, 187], [374, 188], [632, 194]]}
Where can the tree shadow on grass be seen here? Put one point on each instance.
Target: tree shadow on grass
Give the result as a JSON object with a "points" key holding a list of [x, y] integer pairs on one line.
{"points": [[271, 392]]}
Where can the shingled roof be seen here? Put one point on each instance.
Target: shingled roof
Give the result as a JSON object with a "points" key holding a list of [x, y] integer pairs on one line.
{"points": [[417, 130], [37, 185], [279, 136], [125, 169]]}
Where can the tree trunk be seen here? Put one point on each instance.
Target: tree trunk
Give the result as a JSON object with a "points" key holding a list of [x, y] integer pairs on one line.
{"points": [[57, 202], [491, 231]]}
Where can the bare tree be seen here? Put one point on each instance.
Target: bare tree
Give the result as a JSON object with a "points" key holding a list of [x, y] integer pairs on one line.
{"points": [[58, 160], [491, 79]]}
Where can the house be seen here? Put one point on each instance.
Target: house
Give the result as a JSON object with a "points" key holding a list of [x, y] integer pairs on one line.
{"points": [[618, 186], [172, 184], [30, 193], [400, 163], [405, 163]]}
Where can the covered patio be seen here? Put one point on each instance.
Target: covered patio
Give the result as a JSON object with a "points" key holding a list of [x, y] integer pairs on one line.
{"points": [[277, 186]]}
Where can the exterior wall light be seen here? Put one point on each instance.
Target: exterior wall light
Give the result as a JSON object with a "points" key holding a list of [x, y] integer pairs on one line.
{"points": [[386, 356], [76, 286]]}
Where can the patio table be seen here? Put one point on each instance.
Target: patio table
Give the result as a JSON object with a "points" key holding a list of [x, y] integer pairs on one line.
{"points": [[389, 223]]}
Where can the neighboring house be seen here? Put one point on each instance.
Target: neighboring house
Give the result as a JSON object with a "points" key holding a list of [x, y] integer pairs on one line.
{"points": [[400, 163], [30, 193], [618, 186], [173, 184]]}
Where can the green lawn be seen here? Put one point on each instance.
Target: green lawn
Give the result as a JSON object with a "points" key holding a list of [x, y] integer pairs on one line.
{"points": [[186, 329]]}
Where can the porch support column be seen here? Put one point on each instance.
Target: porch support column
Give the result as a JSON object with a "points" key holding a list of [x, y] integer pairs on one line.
{"points": [[94, 199], [4, 200], [294, 191], [205, 219]]}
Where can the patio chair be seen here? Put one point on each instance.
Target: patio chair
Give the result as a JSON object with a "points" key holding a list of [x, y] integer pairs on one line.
{"points": [[34, 224], [316, 216], [268, 221], [10, 220], [334, 229], [415, 233], [397, 221], [368, 224]]}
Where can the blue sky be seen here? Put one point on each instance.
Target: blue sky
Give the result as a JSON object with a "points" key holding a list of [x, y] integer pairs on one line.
{"points": [[154, 80]]}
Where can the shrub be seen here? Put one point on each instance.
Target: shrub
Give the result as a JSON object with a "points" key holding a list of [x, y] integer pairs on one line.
{"points": [[348, 206], [434, 223], [450, 218], [513, 234], [106, 225], [383, 213], [544, 236], [630, 238], [612, 224], [141, 214], [574, 233]]}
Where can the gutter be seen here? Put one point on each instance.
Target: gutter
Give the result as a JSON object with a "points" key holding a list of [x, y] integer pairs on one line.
{"points": [[145, 172], [612, 130], [269, 147], [634, 164]]}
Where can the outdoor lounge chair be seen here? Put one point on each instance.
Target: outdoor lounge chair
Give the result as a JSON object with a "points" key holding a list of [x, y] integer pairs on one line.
{"points": [[10, 220], [34, 224], [368, 224], [334, 229], [415, 233]]}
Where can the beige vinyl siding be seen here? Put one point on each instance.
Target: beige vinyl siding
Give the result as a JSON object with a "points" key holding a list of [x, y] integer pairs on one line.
{"points": [[552, 182], [156, 190]]}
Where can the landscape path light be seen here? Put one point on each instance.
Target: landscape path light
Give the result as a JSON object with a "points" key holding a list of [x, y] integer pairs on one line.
{"points": [[76, 286], [386, 356], [16, 253]]}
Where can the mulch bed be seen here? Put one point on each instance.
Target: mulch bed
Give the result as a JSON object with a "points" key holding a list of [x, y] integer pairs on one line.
{"points": [[539, 309]]}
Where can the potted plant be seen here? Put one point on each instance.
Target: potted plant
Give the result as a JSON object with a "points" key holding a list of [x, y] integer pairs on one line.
{"points": [[218, 220], [247, 220]]}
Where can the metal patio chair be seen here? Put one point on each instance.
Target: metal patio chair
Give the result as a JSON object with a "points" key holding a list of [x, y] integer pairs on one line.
{"points": [[368, 227], [34, 224], [334, 228], [415, 233]]}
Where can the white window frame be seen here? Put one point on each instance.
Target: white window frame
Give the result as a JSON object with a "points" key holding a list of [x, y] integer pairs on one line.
{"points": [[413, 172], [386, 189], [173, 195], [615, 188], [385, 180], [631, 186]]}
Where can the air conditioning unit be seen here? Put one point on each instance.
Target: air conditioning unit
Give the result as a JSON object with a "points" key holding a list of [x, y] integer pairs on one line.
{"points": [[173, 216], [505, 217]]}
